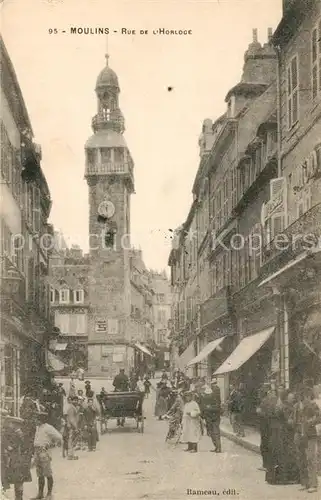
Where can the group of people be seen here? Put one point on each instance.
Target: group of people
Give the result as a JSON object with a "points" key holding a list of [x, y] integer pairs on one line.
{"points": [[191, 406], [26, 439], [290, 426]]}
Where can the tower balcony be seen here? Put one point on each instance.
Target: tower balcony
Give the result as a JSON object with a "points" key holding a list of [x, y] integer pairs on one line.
{"points": [[123, 169], [112, 121]]}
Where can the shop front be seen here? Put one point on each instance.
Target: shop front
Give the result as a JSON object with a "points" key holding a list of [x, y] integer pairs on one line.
{"points": [[298, 285], [142, 357], [250, 364]]}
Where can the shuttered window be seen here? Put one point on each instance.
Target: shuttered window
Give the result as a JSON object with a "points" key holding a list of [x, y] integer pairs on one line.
{"points": [[293, 92], [316, 60]]}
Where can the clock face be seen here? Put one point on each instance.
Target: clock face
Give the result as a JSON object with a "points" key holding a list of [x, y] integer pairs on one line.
{"points": [[106, 209]]}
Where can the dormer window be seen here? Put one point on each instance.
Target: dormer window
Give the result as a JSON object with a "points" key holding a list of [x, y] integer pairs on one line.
{"points": [[64, 296], [78, 296]]}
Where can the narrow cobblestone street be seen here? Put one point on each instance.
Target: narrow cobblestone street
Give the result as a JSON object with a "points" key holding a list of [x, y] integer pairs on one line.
{"points": [[137, 466]]}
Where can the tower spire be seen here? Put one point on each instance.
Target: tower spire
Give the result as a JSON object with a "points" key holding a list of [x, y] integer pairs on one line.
{"points": [[107, 54]]}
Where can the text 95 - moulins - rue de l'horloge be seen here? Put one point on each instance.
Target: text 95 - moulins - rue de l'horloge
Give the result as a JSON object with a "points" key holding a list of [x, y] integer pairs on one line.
{"points": [[86, 30]]}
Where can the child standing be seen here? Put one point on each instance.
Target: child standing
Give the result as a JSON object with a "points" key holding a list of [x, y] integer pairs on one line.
{"points": [[46, 437], [147, 385]]}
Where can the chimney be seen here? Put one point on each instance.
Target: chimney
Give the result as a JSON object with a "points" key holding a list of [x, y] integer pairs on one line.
{"points": [[254, 31], [270, 33]]}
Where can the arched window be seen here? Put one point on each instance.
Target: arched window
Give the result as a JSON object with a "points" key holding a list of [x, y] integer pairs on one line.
{"points": [[106, 113]]}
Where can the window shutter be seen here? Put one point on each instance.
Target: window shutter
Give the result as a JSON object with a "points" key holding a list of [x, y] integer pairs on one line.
{"points": [[36, 216], [276, 185], [277, 223]]}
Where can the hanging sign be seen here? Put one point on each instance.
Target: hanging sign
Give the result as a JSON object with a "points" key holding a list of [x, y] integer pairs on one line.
{"points": [[101, 326]]}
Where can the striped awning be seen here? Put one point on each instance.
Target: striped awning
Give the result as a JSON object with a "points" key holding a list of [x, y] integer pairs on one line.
{"points": [[206, 351], [244, 351]]}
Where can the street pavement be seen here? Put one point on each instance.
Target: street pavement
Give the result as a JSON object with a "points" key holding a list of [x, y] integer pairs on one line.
{"points": [[134, 466]]}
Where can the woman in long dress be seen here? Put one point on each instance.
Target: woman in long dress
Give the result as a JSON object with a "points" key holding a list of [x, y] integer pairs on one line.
{"points": [[175, 414], [161, 405], [281, 466], [191, 422]]}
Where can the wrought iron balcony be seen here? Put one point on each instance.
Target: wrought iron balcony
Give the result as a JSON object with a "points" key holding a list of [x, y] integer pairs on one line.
{"points": [[300, 236], [217, 306], [12, 285], [114, 121]]}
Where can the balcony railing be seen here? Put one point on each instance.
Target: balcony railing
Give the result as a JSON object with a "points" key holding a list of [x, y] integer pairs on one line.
{"points": [[303, 234], [12, 283], [216, 306], [109, 168], [114, 121]]}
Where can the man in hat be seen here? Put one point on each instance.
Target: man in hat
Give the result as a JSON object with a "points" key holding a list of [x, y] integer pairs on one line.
{"points": [[90, 415], [72, 422], [15, 457], [210, 404], [46, 437]]}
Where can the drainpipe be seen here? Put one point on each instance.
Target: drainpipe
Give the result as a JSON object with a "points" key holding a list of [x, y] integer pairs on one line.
{"points": [[280, 309], [278, 108]]}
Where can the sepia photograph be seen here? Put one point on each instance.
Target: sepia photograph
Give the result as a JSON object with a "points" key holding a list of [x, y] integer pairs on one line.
{"points": [[160, 249]]}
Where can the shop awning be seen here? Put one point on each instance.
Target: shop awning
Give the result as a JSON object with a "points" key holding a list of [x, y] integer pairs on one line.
{"points": [[53, 363], [143, 349], [244, 351], [61, 347], [206, 351], [186, 356]]}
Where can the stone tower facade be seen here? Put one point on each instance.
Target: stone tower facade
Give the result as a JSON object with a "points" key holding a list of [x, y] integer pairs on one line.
{"points": [[109, 175]]}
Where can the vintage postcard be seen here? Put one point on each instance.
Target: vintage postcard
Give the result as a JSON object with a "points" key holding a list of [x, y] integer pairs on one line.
{"points": [[160, 253]]}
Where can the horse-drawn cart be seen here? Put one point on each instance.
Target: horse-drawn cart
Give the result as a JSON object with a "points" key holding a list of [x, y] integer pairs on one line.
{"points": [[121, 405]]}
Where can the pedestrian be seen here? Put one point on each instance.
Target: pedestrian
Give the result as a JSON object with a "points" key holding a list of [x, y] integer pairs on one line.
{"points": [[72, 425], [262, 412], [72, 386], [147, 385], [140, 387], [237, 407], [90, 416], [191, 423], [121, 382], [15, 456], [280, 467], [29, 410], [46, 437], [317, 399], [210, 403], [175, 414], [88, 388], [161, 405], [81, 405], [308, 422]]}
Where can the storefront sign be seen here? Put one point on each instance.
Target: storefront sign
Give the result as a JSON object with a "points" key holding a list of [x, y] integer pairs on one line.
{"points": [[101, 326]]}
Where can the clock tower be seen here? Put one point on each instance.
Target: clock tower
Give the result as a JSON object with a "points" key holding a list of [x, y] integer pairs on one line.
{"points": [[110, 179]]}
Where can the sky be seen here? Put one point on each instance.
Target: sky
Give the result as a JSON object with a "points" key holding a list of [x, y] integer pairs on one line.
{"points": [[57, 73]]}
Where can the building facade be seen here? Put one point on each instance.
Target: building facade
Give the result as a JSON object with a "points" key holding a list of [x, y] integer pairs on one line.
{"points": [[256, 203], [26, 324], [292, 268], [69, 303], [162, 313]]}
